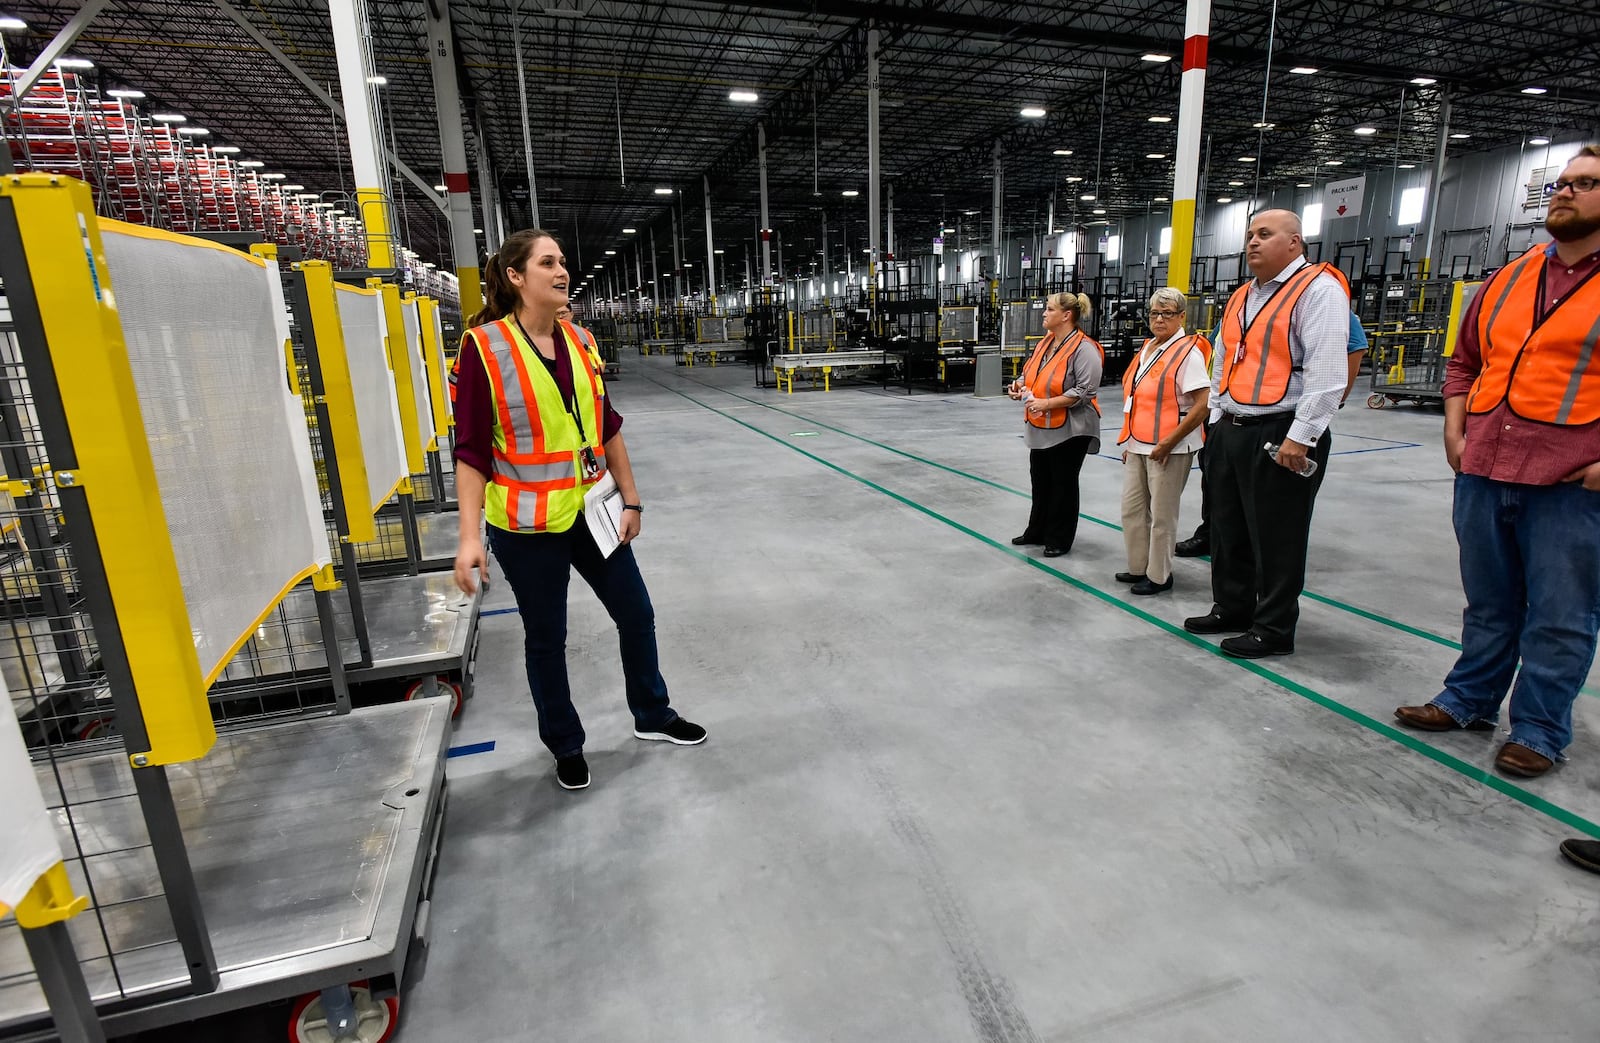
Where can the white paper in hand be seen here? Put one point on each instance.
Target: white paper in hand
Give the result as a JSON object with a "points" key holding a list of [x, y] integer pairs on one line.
{"points": [[602, 509]]}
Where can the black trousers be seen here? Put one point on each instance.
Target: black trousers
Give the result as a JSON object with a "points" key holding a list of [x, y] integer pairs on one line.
{"points": [[1261, 516], [1203, 530], [1053, 519]]}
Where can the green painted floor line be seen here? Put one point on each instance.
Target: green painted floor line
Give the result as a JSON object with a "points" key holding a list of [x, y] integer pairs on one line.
{"points": [[1555, 811]]}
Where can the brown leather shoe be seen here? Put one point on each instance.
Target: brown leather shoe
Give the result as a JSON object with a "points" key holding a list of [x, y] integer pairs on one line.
{"points": [[1430, 718], [1519, 760]]}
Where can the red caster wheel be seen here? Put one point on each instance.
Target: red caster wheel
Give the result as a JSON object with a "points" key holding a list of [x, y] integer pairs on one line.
{"points": [[98, 728], [417, 687], [376, 1019]]}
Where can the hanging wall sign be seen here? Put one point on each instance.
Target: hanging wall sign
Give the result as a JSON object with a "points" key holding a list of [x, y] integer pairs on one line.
{"points": [[1343, 198], [938, 246]]}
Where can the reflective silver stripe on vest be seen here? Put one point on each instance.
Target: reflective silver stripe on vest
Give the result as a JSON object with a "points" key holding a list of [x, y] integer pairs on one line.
{"points": [[531, 473], [1578, 371], [504, 351]]}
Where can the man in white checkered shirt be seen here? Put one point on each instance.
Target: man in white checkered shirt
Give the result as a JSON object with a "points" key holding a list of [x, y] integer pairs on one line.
{"points": [[1278, 376]]}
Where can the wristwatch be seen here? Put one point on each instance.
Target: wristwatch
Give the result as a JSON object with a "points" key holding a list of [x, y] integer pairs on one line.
{"points": [[633, 507]]}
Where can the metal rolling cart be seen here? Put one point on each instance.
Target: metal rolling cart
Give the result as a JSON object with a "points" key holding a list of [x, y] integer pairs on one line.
{"points": [[1414, 338], [165, 497]]}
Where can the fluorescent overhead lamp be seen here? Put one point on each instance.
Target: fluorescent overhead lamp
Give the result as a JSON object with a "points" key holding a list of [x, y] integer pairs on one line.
{"points": [[948, 231], [251, 163], [1031, 112], [1366, 132], [477, 231], [12, 25], [1099, 211], [1535, 90], [1155, 155], [629, 231], [713, 251], [74, 63], [611, 253], [1304, 70], [1155, 57], [599, 267], [273, 177], [225, 150], [378, 81], [744, 97], [193, 132], [1461, 137], [1334, 163], [1408, 166], [849, 193], [125, 95], [663, 191], [439, 188], [1224, 199], [1264, 126], [294, 188], [1236, 184], [1424, 81], [1160, 119], [1247, 159], [1073, 180], [1062, 152], [1538, 141], [170, 117], [1302, 184], [1087, 197], [1161, 199]]}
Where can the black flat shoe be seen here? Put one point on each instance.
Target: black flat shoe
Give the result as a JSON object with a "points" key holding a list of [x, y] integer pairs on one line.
{"points": [[1024, 541], [1254, 646], [1214, 622], [1130, 577], [1145, 586], [1054, 552], [1193, 547]]}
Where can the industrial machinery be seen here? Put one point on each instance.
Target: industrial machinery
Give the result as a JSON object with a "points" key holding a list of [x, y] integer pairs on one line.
{"points": [[1414, 338]]}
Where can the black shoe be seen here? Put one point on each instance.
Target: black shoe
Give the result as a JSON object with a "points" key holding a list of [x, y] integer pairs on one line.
{"points": [[1254, 646], [1193, 547], [1130, 577], [1054, 552], [1582, 853], [1145, 586], [677, 731], [1214, 622], [572, 772], [1024, 541]]}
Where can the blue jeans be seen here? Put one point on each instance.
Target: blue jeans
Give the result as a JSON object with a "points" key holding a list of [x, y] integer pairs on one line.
{"points": [[1530, 563], [537, 565]]}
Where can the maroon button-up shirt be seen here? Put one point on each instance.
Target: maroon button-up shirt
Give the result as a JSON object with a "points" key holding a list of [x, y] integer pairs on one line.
{"points": [[1500, 444], [475, 406]]}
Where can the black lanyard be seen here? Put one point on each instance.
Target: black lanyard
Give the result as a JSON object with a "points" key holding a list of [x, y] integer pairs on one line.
{"points": [[572, 402]]}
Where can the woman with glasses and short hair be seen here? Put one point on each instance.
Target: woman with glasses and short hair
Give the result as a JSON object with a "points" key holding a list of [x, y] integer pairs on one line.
{"points": [[1165, 396], [1057, 389]]}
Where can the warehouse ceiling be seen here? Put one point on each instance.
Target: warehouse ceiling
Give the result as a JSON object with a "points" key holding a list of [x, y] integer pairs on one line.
{"points": [[626, 98]]}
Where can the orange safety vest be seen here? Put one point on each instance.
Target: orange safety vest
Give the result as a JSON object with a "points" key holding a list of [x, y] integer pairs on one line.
{"points": [[1154, 414], [1542, 368], [1256, 360], [1048, 378], [538, 484]]}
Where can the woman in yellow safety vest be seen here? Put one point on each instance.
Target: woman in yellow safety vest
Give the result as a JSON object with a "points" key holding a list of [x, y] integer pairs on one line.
{"points": [[1165, 392], [1061, 417], [534, 432]]}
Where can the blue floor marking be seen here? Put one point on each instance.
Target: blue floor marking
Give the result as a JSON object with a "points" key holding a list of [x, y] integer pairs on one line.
{"points": [[496, 612], [470, 749]]}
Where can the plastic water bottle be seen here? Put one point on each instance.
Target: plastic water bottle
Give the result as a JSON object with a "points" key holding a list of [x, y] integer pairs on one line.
{"points": [[1311, 465]]}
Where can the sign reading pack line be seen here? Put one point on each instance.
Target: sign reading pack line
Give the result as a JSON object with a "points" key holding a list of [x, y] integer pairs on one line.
{"points": [[1343, 198]]}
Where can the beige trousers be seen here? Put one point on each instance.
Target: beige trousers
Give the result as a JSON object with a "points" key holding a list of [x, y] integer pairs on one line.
{"points": [[1150, 496]]}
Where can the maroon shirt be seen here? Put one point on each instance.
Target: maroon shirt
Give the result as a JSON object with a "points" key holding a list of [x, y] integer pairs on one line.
{"points": [[475, 406], [1500, 444]]}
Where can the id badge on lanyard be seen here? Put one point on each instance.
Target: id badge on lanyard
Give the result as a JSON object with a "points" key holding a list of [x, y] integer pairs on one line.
{"points": [[591, 464]]}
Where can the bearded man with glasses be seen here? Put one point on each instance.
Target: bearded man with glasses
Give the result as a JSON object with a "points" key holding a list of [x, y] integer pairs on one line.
{"points": [[1522, 433]]}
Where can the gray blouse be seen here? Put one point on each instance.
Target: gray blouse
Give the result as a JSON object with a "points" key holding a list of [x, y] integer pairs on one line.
{"points": [[1083, 378]]}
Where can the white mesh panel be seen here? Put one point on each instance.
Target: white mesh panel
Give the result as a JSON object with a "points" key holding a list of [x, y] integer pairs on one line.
{"points": [[444, 365], [361, 317], [205, 336], [419, 374]]}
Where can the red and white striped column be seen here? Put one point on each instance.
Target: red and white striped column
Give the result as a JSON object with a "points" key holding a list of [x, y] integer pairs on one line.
{"points": [[1186, 175]]}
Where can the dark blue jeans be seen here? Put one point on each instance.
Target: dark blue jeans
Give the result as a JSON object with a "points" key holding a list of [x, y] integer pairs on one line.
{"points": [[1530, 563], [537, 565]]}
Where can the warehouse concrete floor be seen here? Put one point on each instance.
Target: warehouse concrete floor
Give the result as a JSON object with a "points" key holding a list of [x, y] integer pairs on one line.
{"points": [[957, 792]]}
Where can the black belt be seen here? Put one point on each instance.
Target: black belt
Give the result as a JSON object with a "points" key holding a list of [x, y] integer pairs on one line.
{"points": [[1240, 420]]}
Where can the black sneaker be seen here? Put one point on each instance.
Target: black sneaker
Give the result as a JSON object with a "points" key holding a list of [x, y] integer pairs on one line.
{"points": [[677, 731], [1193, 547], [572, 772]]}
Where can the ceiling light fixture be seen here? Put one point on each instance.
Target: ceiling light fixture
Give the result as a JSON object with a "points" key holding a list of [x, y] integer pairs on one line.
{"points": [[849, 193], [1538, 141], [477, 231], [744, 97], [1424, 81], [193, 132], [1073, 180], [125, 95], [440, 188], [1304, 70], [12, 25], [1461, 137], [1062, 152], [1535, 90], [1155, 155], [274, 177], [251, 163], [1155, 57], [1236, 184], [1264, 126], [1099, 211], [1247, 159], [74, 63], [1408, 166], [225, 150], [1159, 119], [663, 191], [1162, 199], [1334, 163], [378, 81], [170, 117], [629, 231], [1031, 112], [1302, 184], [1366, 132], [1224, 199], [1087, 197], [293, 188]]}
